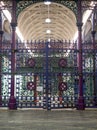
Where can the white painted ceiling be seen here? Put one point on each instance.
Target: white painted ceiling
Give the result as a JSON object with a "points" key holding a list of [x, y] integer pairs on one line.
{"points": [[31, 22]]}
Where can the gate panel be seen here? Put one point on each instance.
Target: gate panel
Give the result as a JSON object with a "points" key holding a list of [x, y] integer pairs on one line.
{"points": [[90, 76], [53, 64], [5, 54], [30, 70], [25, 97], [49, 65], [63, 68]]}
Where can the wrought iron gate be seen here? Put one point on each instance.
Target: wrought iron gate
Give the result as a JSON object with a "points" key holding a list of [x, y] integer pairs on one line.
{"points": [[47, 75], [52, 68]]}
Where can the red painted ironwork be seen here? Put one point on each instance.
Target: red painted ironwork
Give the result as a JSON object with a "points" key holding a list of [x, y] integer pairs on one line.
{"points": [[62, 86], [62, 62], [31, 62], [94, 57], [12, 100], [80, 105], [31, 86], [35, 90], [1, 34]]}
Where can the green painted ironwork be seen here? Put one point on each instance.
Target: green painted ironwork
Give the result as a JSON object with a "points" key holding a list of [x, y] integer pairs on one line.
{"points": [[69, 73], [5, 77], [21, 5]]}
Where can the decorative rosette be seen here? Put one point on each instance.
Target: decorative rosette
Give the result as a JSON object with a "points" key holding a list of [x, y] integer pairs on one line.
{"points": [[31, 86], [31, 62], [62, 62], [62, 86]]}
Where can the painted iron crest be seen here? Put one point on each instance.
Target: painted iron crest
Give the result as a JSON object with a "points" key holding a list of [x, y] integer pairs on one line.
{"points": [[31, 86], [31, 62], [62, 62], [62, 86]]}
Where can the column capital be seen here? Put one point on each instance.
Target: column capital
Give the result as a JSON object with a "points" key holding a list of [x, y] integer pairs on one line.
{"points": [[1, 32], [13, 24], [79, 25], [93, 32]]}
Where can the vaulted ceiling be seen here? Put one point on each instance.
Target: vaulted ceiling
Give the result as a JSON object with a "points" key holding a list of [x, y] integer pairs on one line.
{"points": [[31, 22], [32, 16]]}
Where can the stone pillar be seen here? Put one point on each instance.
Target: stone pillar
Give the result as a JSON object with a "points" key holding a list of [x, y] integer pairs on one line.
{"points": [[1, 35], [12, 100], [80, 105]]}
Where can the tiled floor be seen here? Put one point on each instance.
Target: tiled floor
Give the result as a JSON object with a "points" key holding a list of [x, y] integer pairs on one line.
{"points": [[48, 120]]}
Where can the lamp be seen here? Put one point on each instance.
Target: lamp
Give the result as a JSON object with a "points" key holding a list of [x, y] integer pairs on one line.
{"points": [[48, 31], [47, 2], [48, 20]]}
